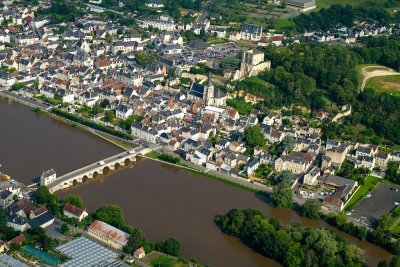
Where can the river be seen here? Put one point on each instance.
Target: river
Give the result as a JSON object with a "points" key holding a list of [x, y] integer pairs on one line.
{"points": [[161, 199]]}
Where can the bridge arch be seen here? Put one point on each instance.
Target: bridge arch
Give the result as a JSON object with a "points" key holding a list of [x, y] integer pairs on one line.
{"points": [[96, 174], [116, 166], [85, 178], [127, 161], [106, 170], [74, 182]]}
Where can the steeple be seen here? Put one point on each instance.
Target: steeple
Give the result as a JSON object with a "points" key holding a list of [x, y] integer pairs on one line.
{"points": [[209, 91]]}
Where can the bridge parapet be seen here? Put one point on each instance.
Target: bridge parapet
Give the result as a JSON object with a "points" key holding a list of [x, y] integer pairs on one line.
{"points": [[93, 170]]}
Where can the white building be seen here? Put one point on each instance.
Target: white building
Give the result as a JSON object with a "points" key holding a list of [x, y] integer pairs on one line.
{"points": [[71, 211], [48, 177], [6, 81]]}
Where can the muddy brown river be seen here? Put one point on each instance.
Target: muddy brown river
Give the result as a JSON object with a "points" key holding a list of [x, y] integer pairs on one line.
{"points": [[163, 200]]}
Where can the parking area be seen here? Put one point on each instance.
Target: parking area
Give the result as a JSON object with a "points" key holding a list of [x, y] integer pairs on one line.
{"points": [[54, 231], [371, 208]]}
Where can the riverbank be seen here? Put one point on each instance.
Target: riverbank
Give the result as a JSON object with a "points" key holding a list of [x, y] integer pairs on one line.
{"points": [[40, 109], [154, 156], [122, 188]]}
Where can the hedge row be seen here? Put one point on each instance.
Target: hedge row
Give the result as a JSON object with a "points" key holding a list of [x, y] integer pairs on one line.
{"points": [[91, 124]]}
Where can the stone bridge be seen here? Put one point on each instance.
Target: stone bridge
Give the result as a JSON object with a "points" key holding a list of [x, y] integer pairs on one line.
{"points": [[95, 169]]}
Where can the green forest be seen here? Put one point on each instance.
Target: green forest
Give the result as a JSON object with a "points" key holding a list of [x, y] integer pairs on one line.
{"points": [[317, 76], [291, 245], [328, 18]]}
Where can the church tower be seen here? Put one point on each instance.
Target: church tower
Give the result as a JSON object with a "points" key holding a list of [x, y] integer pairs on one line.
{"points": [[209, 91]]}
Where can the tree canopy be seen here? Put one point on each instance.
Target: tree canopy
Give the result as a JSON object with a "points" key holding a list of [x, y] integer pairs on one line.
{"points": [[254, 136], [229, 63], [136, 240], [145, 58], [171, 246], [344, 15], [74, 200], [290, 245], [282, 195], [311, 209], [111, 214], [312, 74]]}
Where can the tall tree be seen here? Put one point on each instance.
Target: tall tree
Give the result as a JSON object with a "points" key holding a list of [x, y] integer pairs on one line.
{"points": [[282, 195], [311, 209], [111, 214], [136, 240], [74, 200], [254, 136]]}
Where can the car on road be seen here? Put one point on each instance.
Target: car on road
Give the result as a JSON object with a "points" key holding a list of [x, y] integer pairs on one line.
{"points": [[101, 163], [394, 189], [396, 203], [367, 196], [131, 151]]}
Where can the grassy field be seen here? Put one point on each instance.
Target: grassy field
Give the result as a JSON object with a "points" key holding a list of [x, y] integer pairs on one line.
{"points": [[328, 3], [164, 261], [359, 68], [158, 259], [385, 84], [283, 25], [117, 141], [395, 221], [369, 184], [380, 78], [217, 41]]}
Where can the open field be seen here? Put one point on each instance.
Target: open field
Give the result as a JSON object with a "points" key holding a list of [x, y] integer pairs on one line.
{"points": [[385, 84], [257, 12], [328, 3], [395, 227], [156, 259], [367, 72]]}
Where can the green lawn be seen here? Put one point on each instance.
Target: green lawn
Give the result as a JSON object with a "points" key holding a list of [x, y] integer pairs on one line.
{"points": [[369, 184], [163, 261], [217, 41], [158, 259], [328, 3], [396, 229], [359, 68], [117, 141], [385, 84], [283, 25]]}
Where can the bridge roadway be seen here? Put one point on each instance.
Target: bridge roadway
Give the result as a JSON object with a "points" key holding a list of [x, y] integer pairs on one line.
{"points": [[94, 169]]}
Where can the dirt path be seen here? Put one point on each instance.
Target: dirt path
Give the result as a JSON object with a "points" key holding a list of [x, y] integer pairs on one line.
{"points": [[376, 72]]}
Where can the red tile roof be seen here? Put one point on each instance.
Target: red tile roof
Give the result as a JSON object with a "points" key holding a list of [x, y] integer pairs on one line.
{"points": [[109, 231], [15, 241], [73, 210]]}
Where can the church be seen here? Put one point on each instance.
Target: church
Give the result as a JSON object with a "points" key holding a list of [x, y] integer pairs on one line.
{"points": [[210, 95]]}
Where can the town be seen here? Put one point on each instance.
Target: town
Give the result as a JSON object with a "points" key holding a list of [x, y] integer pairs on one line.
{"points": [[181, 87]]}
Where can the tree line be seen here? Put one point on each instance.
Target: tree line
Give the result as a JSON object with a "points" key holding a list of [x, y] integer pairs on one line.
{"points": [[326, 19], [91, 124], [291, 245], [313, 75]]}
